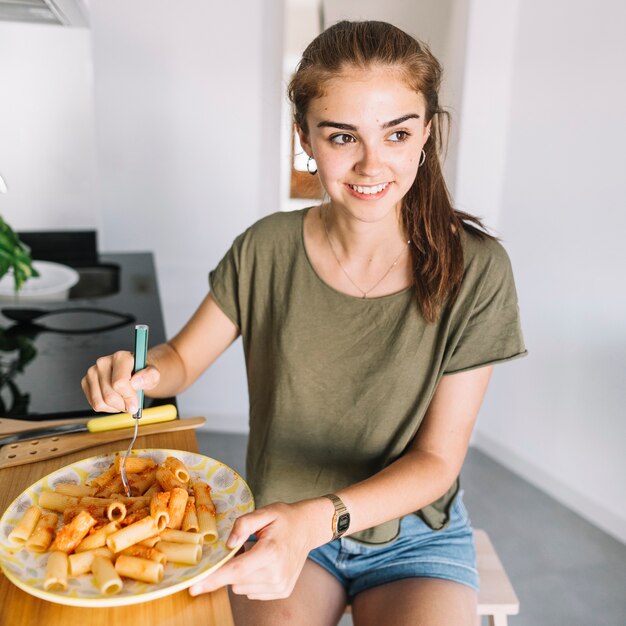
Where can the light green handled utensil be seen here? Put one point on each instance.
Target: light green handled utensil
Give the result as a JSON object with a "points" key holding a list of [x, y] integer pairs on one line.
{"points": [[141, 352]]}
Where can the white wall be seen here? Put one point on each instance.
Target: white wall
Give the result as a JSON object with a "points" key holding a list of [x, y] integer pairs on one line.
{"points": [[188, 120], [47, 150], [557, 417]]}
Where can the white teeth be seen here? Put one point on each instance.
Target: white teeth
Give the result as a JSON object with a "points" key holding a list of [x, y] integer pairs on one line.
{"points": [[369, 190]]}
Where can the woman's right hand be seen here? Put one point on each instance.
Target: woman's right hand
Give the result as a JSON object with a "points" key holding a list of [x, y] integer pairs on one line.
{"points": [[110, 385]]}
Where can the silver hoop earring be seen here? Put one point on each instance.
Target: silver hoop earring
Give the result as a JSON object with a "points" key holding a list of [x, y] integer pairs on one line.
{"points": [[308, 166], [423, 158]]}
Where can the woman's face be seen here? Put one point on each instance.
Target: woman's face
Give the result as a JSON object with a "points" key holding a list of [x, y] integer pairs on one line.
{"points": [[366, 135]]}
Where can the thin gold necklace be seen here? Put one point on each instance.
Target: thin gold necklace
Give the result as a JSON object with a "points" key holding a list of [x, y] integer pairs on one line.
{"points": [[343, 269]]}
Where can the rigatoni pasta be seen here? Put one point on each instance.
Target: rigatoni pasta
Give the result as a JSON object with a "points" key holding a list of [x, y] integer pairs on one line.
{"points": [[43, 534], [105, 575], [72, 534], [80, 562], [139, 569], [56, 572], [111, 536], [24, 529], [190, 518], [176, 507], [205, 510], [98, 539]]}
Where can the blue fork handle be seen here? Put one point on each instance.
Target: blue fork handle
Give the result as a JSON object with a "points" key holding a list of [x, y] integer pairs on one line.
{"points": [[141, 352]]}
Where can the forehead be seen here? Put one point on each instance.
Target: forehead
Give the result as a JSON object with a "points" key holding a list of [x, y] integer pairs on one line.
{"points": [[372, 95]]}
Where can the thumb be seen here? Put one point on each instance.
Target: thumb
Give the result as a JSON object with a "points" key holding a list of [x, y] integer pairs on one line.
{"points": [[249, 524], [147, 378]]}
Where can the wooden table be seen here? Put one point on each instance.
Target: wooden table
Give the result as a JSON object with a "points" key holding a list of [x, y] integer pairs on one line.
{"points": [[18, 608]]}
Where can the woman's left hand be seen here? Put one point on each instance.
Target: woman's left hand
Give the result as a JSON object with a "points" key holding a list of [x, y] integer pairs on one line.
{"points": [[285, 533]]}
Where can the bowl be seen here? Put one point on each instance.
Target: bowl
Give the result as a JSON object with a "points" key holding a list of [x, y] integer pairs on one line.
{"points": [[52, 285]]}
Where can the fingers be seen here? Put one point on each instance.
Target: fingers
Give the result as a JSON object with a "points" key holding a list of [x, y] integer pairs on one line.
{"points": [[249, 524], [239, 570], [107, 384]]}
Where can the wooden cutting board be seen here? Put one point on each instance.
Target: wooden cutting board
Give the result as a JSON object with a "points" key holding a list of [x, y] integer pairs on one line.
{"points": [[49, 447]]}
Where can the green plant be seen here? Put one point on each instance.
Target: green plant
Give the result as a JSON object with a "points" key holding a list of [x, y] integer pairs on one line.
{"points": [[15, 256]]}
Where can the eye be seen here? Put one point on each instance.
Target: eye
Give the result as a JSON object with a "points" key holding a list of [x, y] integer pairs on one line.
{"points": [[399, 136], [342, 139]]}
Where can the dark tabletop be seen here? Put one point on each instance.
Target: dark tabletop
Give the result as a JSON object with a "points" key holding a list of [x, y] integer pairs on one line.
{"points": [[41, 365]]}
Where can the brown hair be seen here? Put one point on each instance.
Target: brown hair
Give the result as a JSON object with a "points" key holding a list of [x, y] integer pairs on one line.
{"points": [[432, 223]]}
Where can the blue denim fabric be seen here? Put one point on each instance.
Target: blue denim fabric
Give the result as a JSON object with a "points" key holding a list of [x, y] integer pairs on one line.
{"points": [[418, 551]]}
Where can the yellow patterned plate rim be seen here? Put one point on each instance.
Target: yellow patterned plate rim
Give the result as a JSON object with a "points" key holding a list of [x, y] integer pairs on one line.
{"points": [[232, 499]]}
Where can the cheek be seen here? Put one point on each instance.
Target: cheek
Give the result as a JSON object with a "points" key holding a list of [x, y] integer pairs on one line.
{"points": [[330, 163]]}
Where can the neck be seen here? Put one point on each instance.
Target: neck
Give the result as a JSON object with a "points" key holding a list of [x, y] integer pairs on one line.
{"points": [[360, 239]]}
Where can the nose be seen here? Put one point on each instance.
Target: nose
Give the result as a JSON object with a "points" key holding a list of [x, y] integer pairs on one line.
{"points": [[369, 163]]}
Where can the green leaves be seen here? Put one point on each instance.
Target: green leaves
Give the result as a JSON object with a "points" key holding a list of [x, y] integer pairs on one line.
{"points": [[15, 256]]}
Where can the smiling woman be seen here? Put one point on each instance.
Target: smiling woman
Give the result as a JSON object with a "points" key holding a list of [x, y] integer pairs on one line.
{"points": [[369, 325]]}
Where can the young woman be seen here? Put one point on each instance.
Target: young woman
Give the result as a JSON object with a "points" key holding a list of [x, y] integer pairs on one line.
{"points": [[370, 325]]}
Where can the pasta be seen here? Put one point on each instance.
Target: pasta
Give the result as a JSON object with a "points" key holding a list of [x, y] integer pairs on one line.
{"points": [[179, 536], [143, 529], [71, 489], [205, 510], [23, 530], [107, 579], [167, 479], [158, 509], [56, 572], [43, 534], [98, 539], [56, 501], [188, 553], [139, 569], [190, 518], [144, 552], [72, 534], [80, 562], [134, 464], [110, 536], [177, 467], [176, 507]]}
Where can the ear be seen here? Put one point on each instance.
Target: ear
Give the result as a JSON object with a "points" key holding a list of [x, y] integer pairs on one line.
{"points": [[426, 135], [304, 140]]}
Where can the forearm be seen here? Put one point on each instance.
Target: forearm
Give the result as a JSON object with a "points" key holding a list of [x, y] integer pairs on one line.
{"points": [[415, 480]]}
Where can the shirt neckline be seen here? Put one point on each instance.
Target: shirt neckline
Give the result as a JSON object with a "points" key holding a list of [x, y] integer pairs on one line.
{"points": [[347, 296]]}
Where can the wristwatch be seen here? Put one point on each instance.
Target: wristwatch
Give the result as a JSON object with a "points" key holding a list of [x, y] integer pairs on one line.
{"points": [[341, 518]]}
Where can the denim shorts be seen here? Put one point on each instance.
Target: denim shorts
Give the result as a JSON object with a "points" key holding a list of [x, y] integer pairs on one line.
{"points": [[417, 552]]}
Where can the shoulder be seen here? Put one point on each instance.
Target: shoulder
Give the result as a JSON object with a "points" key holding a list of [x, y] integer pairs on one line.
{"points": [[280, 224], [482, 252], [487, 267], [278, 233]]}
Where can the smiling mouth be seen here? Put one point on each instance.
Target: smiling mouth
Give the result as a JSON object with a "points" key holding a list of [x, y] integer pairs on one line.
{"points": [[369, 189]]}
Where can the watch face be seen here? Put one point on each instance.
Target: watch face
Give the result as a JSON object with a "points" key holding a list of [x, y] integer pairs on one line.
{"points": [[343, 523]]}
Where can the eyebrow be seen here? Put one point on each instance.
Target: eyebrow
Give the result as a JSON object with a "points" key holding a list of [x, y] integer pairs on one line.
{"points": [[341, 126]]}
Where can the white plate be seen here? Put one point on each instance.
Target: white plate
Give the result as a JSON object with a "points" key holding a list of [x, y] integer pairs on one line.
{"points": [[53, 283], [232, 498]]}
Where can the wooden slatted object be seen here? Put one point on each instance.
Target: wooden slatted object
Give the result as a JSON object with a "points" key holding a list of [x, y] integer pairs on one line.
{"points": [[496, 598]]}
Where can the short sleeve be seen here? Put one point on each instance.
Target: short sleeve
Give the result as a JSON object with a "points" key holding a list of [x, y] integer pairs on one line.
{"points": [[490, 331], [224, 283]]}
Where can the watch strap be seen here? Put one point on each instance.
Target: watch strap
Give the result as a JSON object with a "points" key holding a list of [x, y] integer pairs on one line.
{"points": [[341, 515]]}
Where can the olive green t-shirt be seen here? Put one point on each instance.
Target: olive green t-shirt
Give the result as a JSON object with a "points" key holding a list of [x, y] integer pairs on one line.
{"points": [[339, 385]]}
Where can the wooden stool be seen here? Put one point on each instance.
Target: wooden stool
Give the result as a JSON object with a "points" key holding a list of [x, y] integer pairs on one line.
{"points": [[496, 598]]}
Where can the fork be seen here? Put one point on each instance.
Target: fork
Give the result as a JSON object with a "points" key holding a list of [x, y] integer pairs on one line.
{"points": [[141, 351]]}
